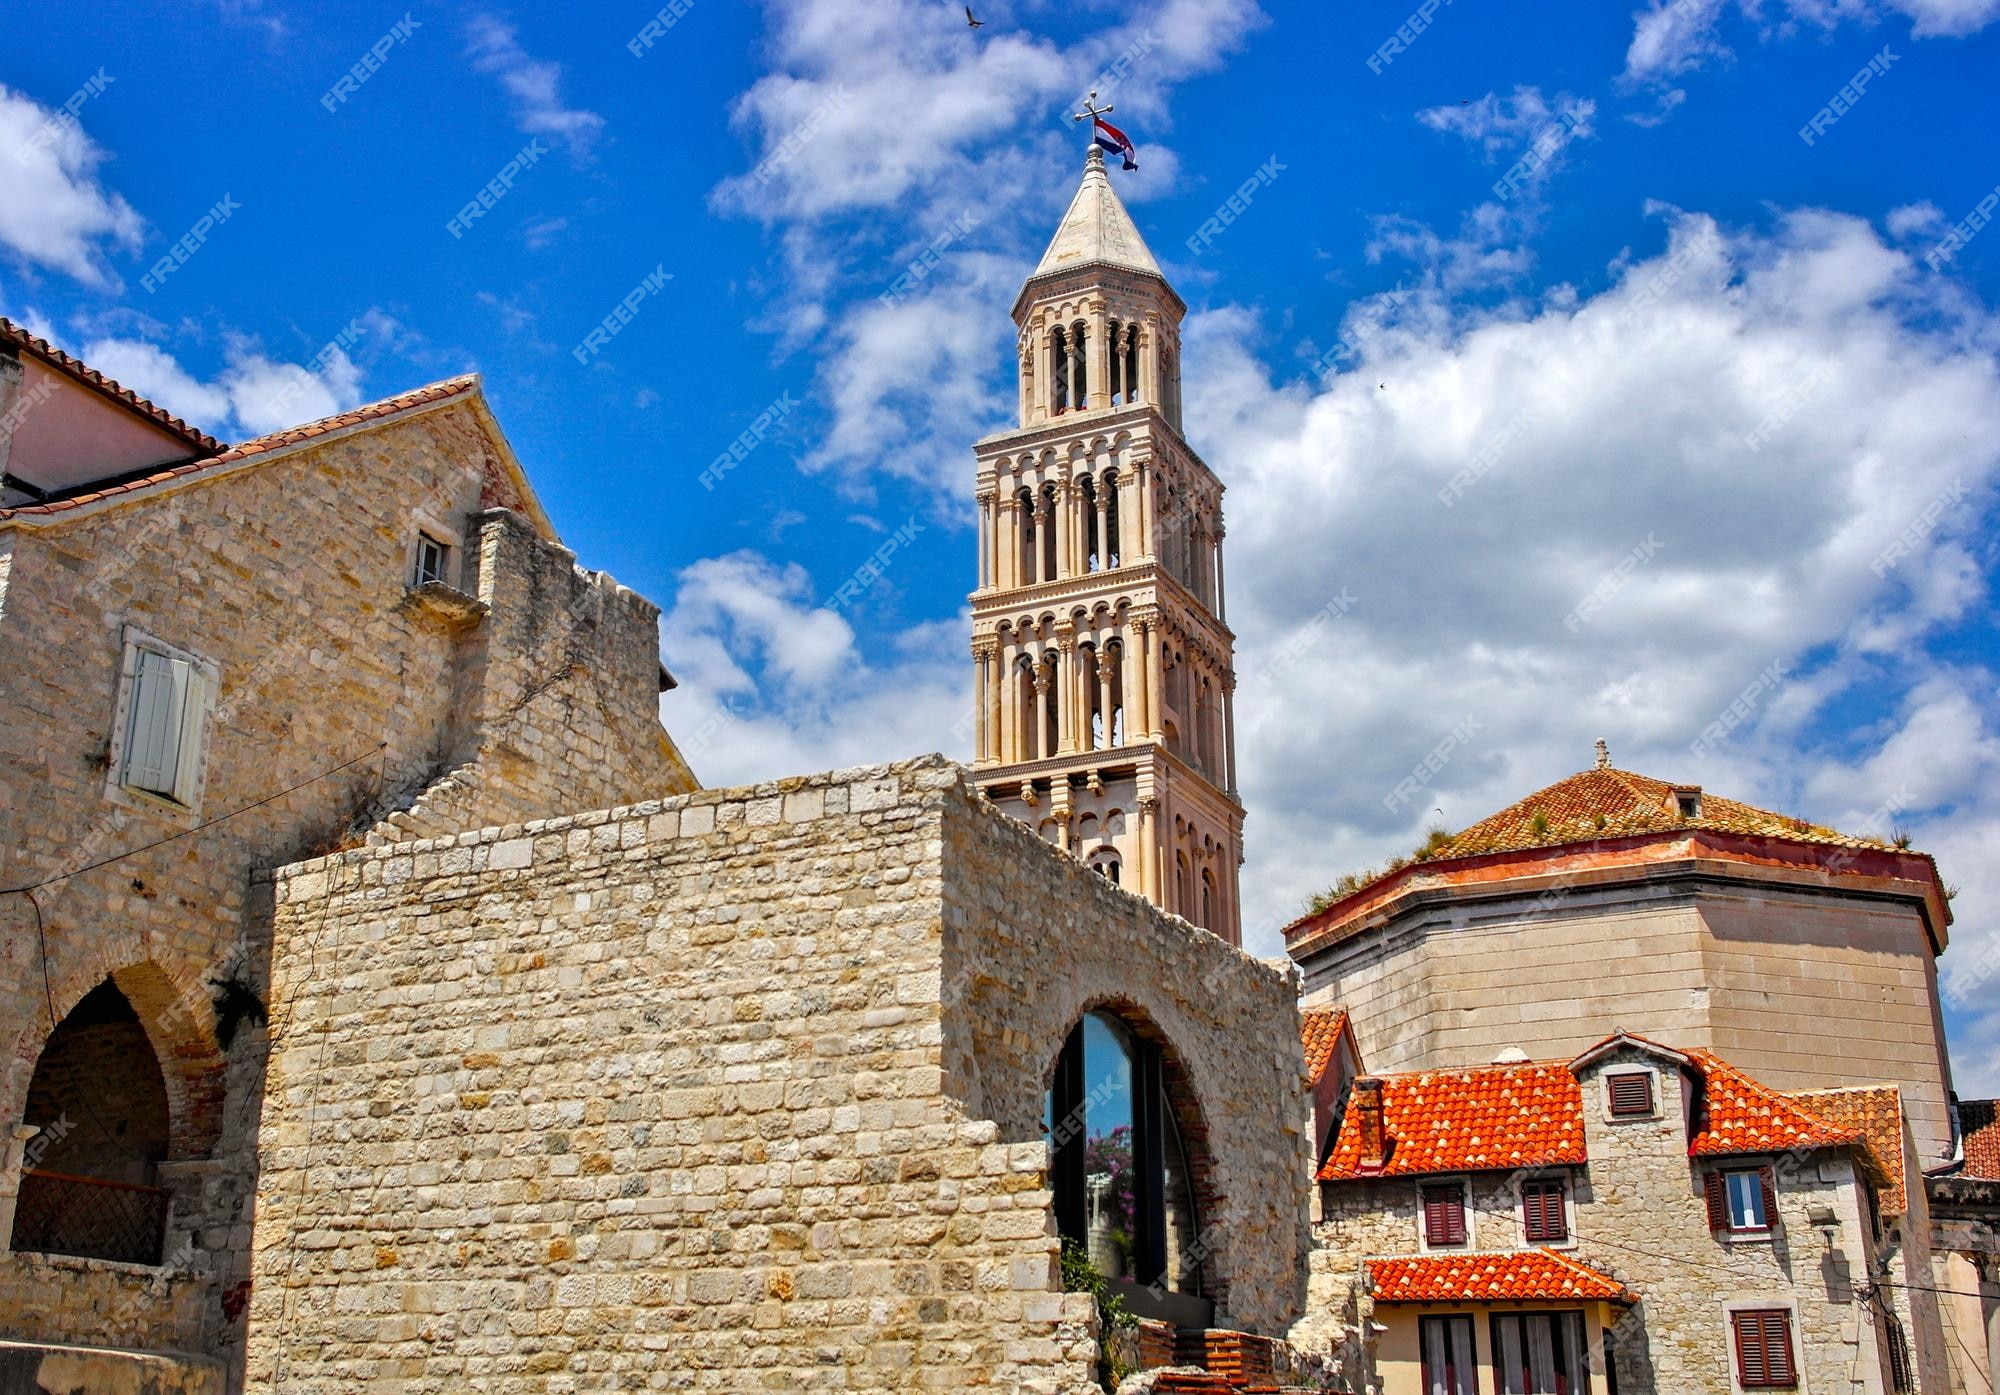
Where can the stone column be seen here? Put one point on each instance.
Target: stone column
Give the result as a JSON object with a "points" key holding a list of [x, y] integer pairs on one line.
{"points": [[1009, 690], [1149, 360], [1221, 602], [1065, 689], [1156, 686], [1097, 347], [1104, 697], [1032, 748], [1146, 548], [1103, 498], [1065, 511], [1044, 521], [1028, 414], [1149, 848], [13, 1161], [1229, 729], [987, 580]]}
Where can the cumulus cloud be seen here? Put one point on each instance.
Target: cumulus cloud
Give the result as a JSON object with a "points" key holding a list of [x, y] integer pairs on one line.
{"points": [[817, 700], [54, 211], [1671, 37], [533, 85], [1513, 126], [252, 395]]}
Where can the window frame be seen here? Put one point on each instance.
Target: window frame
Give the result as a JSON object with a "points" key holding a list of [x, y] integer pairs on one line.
{"points": [[1739, 1375], [1765, 1194], [1566, 1216], [191, 756], [1460, 1189], [1459, 1382], [1567, 1322], [445, 551], [1652, 1079]]}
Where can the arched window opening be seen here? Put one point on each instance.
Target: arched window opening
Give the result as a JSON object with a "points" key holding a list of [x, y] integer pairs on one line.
{"points": [[1079, 387], [1093, 540], [1051, 718], [1058, 371], [1026, 703], [1207, 921], [1105, 862], [1133, 392], [100, 1102], [1183, 884], [1120, 1167], [1046, 531]]}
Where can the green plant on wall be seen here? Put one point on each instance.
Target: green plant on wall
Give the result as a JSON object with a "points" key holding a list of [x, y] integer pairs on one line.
{"points": [[1079, 1275]]}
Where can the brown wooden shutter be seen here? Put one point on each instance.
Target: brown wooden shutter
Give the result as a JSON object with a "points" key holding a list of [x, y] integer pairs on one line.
{"points": [[1764, 1349], [1778, 1348], [1444, 1216], [1751, 1369], [1769, 1180], [1631, 1092], [1716, 1192], [1542, 1211]]}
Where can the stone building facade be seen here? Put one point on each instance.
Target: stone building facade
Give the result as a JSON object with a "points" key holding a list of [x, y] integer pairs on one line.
{"points": [[220, 660], [739, 1090], [1463, 1210], [1104, 673]]}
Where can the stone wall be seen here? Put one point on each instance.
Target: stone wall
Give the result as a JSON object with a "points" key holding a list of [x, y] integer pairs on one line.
{"points": [[736, 1090], [290, 572]]}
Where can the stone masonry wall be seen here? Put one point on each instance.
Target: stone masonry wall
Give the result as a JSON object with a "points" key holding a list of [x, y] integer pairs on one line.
{"points": [[657, 1097], [1034, 939], [291, 575]]}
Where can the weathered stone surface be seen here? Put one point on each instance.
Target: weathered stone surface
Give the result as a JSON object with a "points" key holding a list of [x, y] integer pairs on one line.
{"points": [[749, 1105]]}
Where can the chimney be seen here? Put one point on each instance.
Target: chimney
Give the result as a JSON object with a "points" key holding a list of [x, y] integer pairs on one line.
{"points": [[1368, 1119], [1603, 755]]}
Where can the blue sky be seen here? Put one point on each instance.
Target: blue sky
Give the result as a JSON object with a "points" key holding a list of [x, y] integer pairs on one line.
{"points": [[1607, 446]]}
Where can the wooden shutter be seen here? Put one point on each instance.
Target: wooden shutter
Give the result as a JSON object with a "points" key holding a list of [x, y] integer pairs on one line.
{"points": [[1764, 1349], [1444, 1216], [1631, 1092], [1716, 1192], [153, 729], [198, 696], [1768, 1180], [1543, 1213]]}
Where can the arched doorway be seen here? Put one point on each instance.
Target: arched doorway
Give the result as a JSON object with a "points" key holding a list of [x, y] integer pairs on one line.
{"points": [[1124, 1177], [99, 1101]]}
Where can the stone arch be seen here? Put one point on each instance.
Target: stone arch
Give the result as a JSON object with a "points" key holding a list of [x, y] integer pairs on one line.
{"points": [[1196, 1259], [179, 1023]]}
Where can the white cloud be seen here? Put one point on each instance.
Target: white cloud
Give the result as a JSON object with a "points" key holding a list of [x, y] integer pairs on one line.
{"points": [[534, 85], [1511, 126], [818, 701], [1670, 37], [253, 395], [54, 212]]}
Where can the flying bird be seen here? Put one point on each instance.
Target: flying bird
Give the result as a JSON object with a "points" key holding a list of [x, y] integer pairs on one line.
{"points": [[971, 22]]}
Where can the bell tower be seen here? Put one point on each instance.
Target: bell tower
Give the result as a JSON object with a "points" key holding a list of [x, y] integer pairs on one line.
{"points": [[1104, 671]]}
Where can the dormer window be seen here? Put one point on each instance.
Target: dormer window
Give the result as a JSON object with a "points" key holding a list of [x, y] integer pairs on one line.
{"points": [[432, 560], [1687, 803], [1628, 1094]]}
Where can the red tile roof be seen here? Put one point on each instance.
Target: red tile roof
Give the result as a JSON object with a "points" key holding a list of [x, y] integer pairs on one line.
{"points": [[1979, 1123], [388, 406], [1876, 1113], [1320, 1029], [1527, 1275], [199, 442], [1486, 1118], [1740, 1116]]}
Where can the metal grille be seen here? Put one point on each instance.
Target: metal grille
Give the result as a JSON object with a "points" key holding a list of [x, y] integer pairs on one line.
{"points": [[59, 1214]]}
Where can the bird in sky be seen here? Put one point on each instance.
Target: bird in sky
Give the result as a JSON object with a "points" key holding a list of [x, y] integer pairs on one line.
{"points": [[971, 22]]}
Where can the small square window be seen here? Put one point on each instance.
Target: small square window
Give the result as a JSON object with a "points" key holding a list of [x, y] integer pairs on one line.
{"points": [[1444, 1215], [1689, 805], [1630, 1094], [433, 557]]}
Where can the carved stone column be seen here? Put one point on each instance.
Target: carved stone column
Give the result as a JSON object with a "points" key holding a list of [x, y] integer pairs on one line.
{"points": [[1033, 749], [1149, 848], [1221, 602], [987, 578], [1065, 686], [1147, 548], [1104, 697], [1229, 731], [1102, 495], [1065, 521], [1156, 685], [1097, 348]]}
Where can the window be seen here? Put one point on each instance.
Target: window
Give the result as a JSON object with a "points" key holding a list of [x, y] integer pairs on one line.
{"points": [[164, 701], [1688, 802], [1764, 1349], [1741, 1200], [1544, 1213], [1447, 1352], [1119, 1169], [1630, 1094], [432, 559], [1444, 1215], [1539, 1354]]}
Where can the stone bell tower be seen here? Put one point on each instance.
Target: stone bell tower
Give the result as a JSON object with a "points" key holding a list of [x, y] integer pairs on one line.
{"points": [[1104, 671]]}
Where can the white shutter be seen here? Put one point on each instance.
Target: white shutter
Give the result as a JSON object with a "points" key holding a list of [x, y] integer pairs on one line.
{"points": [[198, 697], [152, 739]]}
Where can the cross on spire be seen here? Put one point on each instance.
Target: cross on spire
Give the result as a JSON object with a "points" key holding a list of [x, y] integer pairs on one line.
{"points": [[1091, 111]]}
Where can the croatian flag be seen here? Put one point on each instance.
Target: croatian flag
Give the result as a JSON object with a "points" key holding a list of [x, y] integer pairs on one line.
{"points": [[1113, 140]]}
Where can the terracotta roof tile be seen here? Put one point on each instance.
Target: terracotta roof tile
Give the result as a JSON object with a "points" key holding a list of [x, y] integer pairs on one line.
{"points": [[1486, 1118], [1739, 1115], [1320, 1030], [1979, 1122], [1526, 1275], [388, 406], [199, 442], [1876, 1113]]}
